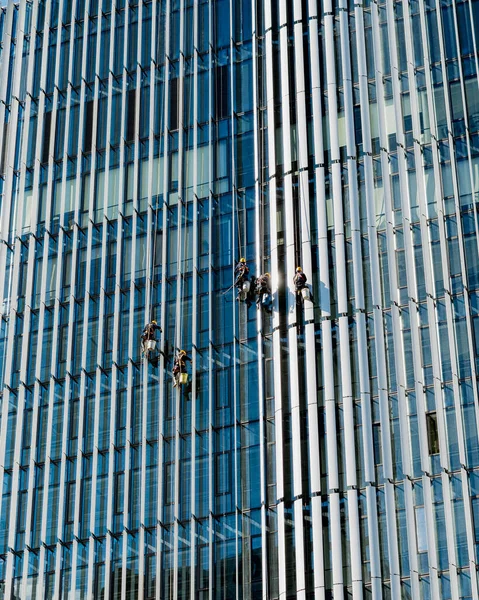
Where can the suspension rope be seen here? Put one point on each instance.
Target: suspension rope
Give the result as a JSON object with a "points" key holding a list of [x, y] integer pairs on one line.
{"points": [[237, 214], [153, 265], [301, 191], [182, 206], [187, 158], [261, 192]]}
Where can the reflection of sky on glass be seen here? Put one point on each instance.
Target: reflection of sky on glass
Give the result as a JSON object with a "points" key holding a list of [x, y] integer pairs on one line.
{"points": [[3, 2]]}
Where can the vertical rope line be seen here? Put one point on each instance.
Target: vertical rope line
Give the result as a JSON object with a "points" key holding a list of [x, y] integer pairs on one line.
{"points": [[237, 216], [162, 110], [261, 190], [189, 104]]}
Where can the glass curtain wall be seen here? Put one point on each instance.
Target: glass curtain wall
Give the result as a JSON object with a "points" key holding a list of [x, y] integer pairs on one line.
{"points": [[328, 449]]}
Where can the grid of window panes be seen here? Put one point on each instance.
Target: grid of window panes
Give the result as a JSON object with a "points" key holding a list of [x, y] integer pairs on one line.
{"points": [[328, 449]]}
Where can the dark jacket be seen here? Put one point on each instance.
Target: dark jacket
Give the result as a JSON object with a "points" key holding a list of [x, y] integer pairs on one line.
{"points": [[149, 331], [299, 281], [180, 363], [263, 285], [241, 270]]}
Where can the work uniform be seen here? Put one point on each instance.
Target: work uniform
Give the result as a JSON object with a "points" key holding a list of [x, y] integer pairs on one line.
{"points": [[179, 366], [263, 285], [241, 272], [263, 291], [148, 334], [149, 331], [299, 281]]}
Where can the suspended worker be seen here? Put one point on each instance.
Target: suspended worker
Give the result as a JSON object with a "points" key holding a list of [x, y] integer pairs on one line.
{"points": [[148, 335], [263, 290], [179, 368], [299, 280], [241, 273], [242, 282]]}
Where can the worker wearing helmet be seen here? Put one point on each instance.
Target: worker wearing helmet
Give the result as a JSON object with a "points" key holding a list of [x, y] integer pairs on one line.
{"points": [[263, 285], [179, 366], [241, 273], [263, 291], [299, 280], [148, 333]]}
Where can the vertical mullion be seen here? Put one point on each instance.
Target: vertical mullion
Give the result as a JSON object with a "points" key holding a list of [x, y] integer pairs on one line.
{"points": [[113, 397], [182, 209], [308, 307], [96, 201], [62, 235], [9, 359], [83, 375], [46, 260], [14, 235], [268, 15], [238, 317], [291, 253], [28, 293], [368, 164], [211, 348], [94, 204], [333, 474], [125, 148], [9, 165], [345, 342], [194, 364], [453, 342], [13, 247], [4, 69], [163, 387], [260, 227], [469, 327], [323, 275], [150, 276], [5, 233], [125, 171]]}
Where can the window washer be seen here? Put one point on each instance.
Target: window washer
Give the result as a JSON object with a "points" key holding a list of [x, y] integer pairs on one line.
{"points": [[263, 290], [299, 281], [242, 282], [241, 272], [179, 368], [148, 335]]}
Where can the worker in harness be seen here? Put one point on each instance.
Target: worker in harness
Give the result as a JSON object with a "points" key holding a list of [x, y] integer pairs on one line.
{"points": [[242, 282], [241, 273], [148, 335], [299, 281], [263, 291], [179, 368]]}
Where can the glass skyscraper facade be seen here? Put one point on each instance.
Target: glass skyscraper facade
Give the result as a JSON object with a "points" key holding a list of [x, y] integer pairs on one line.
{"points": [[328, 449]]}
